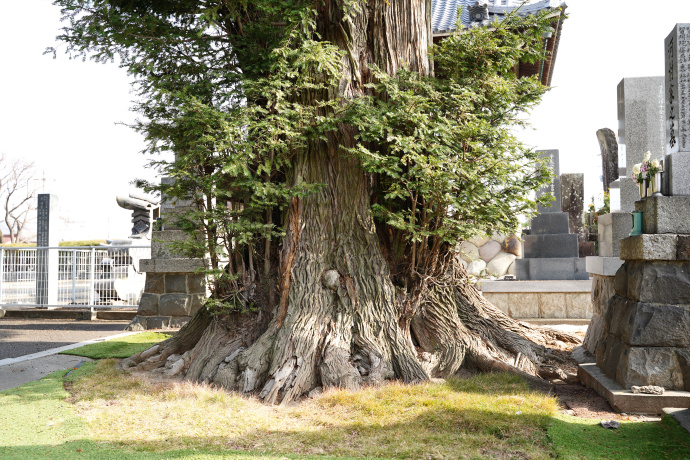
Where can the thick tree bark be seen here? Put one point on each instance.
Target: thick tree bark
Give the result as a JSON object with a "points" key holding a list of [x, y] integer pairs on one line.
{"points": [[339, 321]]}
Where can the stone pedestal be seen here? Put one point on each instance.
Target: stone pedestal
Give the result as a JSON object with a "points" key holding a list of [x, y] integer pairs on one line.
{"points": [[646, 322], [602, 270], [173, 292]]}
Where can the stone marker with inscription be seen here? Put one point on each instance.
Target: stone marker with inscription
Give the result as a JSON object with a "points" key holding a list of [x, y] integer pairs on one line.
{"points": [[609, 156], [677, 110], [46, 259]]}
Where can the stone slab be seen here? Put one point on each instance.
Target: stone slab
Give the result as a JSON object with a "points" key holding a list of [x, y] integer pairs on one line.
{"points": [[602, 292], [549, 223], [537, 286], [171, 265], [568, 268], [594, 334], [665, 214], [550, 246], [625, 400], [604, 266], [649, 247], [613, 227]]}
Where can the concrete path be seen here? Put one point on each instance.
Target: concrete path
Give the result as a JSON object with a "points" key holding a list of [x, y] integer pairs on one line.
{"points": [[29, 348]]}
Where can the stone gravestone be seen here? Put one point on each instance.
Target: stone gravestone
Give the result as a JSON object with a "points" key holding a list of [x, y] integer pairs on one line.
{"points": [[609, 156], [677, 110], [47, 259], [641, 128], [550, 250]]}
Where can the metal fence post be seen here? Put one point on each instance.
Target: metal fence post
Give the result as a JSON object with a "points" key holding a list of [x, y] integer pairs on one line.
{"points": [[92, 277], [74, 276], [2, 272]]}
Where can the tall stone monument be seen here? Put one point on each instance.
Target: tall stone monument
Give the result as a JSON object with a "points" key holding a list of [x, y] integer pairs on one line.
{"points": [[47, 259], [609, 156], [677, 110], [641, 128], [550, 250]]}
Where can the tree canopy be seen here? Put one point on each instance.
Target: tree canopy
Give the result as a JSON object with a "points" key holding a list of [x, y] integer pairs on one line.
{"points": [[320, 141]]}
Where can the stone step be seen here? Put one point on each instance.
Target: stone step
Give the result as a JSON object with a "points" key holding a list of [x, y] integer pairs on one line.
{"points": [[566, 268], [550, 223], [550, 246]]}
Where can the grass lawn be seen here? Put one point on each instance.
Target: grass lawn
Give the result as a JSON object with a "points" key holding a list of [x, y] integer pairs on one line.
{"points": [[99, 412], [119, 348]]}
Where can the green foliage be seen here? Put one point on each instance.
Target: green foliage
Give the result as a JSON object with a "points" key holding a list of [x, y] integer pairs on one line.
{"points": [[234, 90]]}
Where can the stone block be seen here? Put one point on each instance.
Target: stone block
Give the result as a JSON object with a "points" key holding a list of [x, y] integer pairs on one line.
{"points": [[608, 354], [196, 284], [172, 265], [174, 305], [652, 325], [476, 267], [499, 300], [550, 246], [649, 247], [605, 249], [603, 266], [524, 305], [677, 175], [683, 247], [569, 268], [157, 322], [621, 226], [196, 301], [155, 283], [595, 332], [479, 240], [162, 242], [148, 305], [550, 223], [654, 282], [650, 366], [176, 283], [552, 305], [608, 145], [578, 306], [602, 292], [630, 193], [177, 322], [665, 214], [489, 250]]}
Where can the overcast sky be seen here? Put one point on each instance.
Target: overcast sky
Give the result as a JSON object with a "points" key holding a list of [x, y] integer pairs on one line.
{"points": [[64, 115]]}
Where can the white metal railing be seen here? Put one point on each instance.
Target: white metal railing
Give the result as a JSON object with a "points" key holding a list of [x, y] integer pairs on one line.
{"points": [[92, 276]]}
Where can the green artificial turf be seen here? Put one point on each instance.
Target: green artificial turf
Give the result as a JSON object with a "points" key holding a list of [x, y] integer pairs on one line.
{"points": [[577, 438], [122, 347]]}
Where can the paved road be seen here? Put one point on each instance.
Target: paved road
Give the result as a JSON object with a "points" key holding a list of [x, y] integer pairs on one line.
{"points": [[19, 337], [28, 347]]}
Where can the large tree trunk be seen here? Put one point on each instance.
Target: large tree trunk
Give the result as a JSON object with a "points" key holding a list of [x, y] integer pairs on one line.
{"points": [[338, 321]]}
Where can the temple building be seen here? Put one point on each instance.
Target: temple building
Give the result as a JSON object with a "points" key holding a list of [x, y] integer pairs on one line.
{"points": [[484, 12]]}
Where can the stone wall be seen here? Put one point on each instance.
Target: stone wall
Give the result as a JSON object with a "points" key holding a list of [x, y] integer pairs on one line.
{"points": [[490, 257], [541, 299]]}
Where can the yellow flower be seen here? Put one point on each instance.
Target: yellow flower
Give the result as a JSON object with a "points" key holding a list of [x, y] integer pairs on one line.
{"points": [[636, 169], [655, 164]]}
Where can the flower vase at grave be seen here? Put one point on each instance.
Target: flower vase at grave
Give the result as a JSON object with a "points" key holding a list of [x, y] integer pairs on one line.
{"points": [[643, 189], [648, 183], [637, 223], [656, 184]]}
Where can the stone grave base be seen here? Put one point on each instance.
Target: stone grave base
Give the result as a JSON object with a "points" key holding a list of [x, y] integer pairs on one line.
{"points": [[625, 400], [569, 299]]}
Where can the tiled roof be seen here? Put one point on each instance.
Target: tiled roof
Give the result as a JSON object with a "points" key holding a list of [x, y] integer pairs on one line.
{"points": [[445, 12]]}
